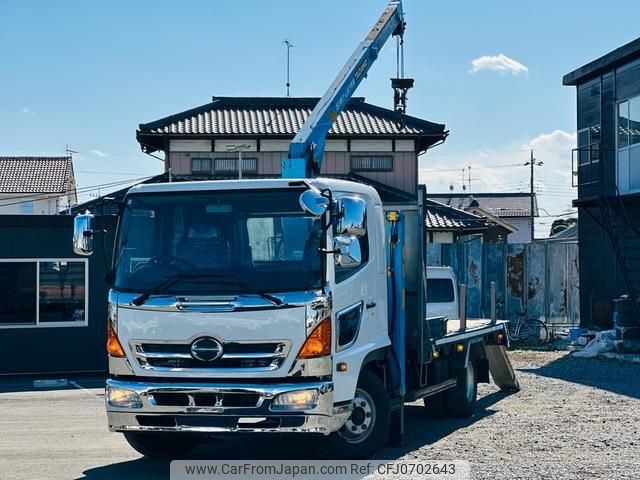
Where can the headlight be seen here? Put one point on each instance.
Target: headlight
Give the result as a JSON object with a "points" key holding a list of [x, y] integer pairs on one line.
{"points": [[298, 400], [123, 398]]}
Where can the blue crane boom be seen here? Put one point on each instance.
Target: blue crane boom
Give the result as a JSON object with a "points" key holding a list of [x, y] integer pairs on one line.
{"points": [[307, 148]]}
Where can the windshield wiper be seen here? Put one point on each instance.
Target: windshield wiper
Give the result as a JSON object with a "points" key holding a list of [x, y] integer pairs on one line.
{"points": [[139, 300], [218, 279]]}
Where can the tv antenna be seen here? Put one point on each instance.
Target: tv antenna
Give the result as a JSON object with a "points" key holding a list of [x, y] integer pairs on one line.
{"points": [[69, 151], [289, 46]]}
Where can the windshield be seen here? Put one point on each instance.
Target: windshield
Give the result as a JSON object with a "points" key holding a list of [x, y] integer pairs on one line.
{"points": [[214, 241]]}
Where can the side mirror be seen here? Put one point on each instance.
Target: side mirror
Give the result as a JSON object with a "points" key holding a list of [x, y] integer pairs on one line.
{"points": [[347, 251], [83, 228], [351, 217], [313, 203]]}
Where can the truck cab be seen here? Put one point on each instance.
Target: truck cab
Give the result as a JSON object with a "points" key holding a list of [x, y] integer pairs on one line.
{"points": [[235, 309], [442, 293]]}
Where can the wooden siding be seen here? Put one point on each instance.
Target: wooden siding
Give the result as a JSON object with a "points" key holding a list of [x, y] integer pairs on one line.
{"points": [[403, 177]]}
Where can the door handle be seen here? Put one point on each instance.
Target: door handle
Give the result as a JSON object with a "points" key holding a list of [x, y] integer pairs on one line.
{"points": [[371, 305]]}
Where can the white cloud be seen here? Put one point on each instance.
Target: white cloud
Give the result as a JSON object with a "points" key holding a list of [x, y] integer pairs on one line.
{"points": [[28, 111], [557, 140], [504, 170], [498, 63], [554, 150], [100, 153]]}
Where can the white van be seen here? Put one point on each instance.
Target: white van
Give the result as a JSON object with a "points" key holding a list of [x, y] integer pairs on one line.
{"points": [[442, 293]]}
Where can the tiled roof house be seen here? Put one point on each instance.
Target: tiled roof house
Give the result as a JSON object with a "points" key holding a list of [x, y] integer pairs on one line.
{"points": [[36, 185], [375, 143]]}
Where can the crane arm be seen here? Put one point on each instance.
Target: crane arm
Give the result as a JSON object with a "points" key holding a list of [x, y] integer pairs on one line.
{"points": [[307, 148]]}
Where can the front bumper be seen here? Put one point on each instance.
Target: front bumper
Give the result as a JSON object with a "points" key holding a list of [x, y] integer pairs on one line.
{"points": [[216, 417]]}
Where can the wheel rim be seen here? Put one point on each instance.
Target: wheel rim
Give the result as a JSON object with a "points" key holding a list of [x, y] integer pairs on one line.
{"points": [[362, 419], [471, 382]]}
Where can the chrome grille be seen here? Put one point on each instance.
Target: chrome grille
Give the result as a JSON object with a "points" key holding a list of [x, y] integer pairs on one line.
{"points": [[253, 356]]}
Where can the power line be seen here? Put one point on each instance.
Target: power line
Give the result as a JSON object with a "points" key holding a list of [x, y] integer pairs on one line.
{"points": [[493, 167], [84, 190]]}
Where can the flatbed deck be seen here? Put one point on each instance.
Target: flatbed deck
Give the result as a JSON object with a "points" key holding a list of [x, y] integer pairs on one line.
{"points": [[475, 327]]}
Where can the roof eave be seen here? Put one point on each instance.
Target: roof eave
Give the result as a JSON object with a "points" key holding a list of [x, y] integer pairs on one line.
{"points": [[606, 62]]}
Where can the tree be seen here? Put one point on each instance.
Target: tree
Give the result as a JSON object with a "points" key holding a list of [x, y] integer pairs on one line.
{"points": [[562, 224]]}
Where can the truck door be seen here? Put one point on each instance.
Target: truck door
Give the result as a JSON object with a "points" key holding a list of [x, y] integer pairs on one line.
{"points": [[359, 306]]}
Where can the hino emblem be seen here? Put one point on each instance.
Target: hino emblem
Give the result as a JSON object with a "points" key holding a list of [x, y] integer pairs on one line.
{"points": [[206, 349]]}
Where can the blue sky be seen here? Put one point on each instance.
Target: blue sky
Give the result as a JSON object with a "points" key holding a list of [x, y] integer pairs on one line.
{"points": [[87, 73]]}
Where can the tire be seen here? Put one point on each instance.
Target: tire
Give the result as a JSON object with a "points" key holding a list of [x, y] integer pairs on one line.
{"points": [[435, 406], [160, 445], [461, 400], [367, 428], [538, 333]]}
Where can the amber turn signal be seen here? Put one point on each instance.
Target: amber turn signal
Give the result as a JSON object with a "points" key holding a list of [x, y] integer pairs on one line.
{"points": [[500, 338], [318, 343], [114, 348]]}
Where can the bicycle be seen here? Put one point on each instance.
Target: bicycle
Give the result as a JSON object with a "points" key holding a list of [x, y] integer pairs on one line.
{"points": [[530, 332]]}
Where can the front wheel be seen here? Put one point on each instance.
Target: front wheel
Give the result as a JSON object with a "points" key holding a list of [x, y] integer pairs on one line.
{"points": [[160, 445], [367, 428]]}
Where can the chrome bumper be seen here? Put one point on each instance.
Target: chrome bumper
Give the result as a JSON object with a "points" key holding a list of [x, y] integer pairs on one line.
{"points": [[151, 417]]}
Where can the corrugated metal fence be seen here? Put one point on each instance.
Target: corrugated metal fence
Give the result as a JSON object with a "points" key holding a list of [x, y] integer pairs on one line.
{"points": [[539, 279]]}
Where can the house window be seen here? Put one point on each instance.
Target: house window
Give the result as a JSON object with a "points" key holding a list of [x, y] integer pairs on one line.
{"points": [[43, 293], [629, 145], [227, 166], [372, 163], [18, 293], [589, 145], [28, 207], [200, 166]]}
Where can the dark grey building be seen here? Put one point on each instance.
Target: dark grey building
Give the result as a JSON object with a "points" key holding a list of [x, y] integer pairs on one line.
{"points": [[606, 170]]}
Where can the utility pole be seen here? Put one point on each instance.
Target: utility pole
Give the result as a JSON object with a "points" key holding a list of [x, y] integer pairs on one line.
{"points": [[532, 163], [289, 46]]}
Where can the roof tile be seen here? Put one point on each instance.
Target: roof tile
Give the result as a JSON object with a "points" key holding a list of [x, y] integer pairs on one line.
{"points": [[501, 205], [444, 217], [35, 174], [285, 116]]}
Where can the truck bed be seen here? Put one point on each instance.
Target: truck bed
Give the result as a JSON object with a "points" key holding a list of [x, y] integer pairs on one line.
{"points": [[475, 327]]}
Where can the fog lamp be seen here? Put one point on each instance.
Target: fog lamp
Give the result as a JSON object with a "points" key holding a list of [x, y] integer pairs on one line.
{"points": [[123, 398], [298, 400]]}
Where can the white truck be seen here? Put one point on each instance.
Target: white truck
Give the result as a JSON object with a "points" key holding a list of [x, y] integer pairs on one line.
{"points": [[277, 306], [282, 305], [442, 293]]}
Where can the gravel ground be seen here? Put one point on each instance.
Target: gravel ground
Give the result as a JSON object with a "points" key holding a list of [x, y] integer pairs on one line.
{"points": [[573, 419]]}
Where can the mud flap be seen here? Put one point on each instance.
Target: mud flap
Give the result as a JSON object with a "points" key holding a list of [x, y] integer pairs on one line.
{"points": [[501, 368]]}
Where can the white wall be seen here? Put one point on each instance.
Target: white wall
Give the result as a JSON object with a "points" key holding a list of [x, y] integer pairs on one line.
{"points": [[371, 145], [440, 237], [190, 145], [224, 144], [523, 235], [12, 204]]}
